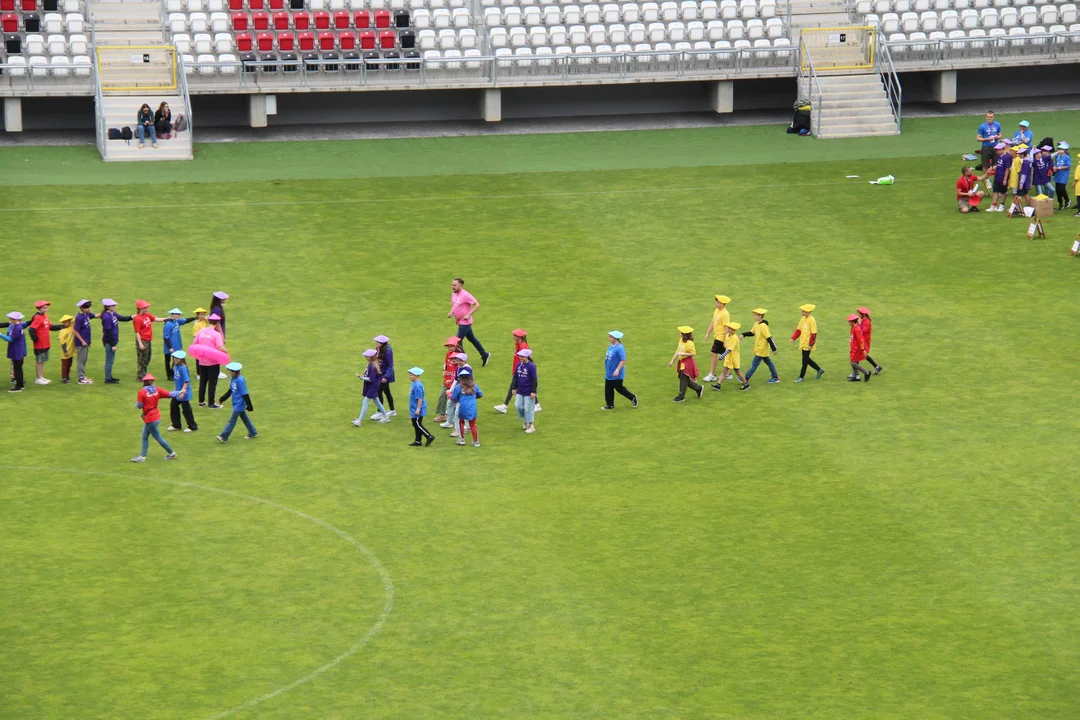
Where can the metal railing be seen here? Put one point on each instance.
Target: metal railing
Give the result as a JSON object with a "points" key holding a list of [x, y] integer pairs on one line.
{"points": [[985, 50], [808, 74], [182, 87], [884, 64]]}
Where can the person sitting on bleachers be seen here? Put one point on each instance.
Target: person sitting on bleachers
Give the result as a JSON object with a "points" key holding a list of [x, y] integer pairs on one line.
{"points": [[144, 124], [163, 121]]}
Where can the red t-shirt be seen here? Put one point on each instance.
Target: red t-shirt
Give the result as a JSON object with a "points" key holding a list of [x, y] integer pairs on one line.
{"points": [[40, 324], [144, 326], [518, 345], [964, 185], [857, 352], [149, 402], [449, 370], [866, 328]]}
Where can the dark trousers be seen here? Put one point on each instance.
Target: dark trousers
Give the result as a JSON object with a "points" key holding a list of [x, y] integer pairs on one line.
{"points": [[175, 407], [168, 369], [142, 358], [615, 386], [465, 333], [871, 361], [988, 156], [807, 363], [1062, 192], [419, 429], [208, 377], [17, 373], [385, 396], [65, 368], [686, 382]]}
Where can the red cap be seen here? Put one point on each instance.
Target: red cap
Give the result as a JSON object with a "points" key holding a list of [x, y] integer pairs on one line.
{"points": [[149, 377], [41, 303], [864, 311], [142, 304], [453, 341], [519, 333], [852, 317]]}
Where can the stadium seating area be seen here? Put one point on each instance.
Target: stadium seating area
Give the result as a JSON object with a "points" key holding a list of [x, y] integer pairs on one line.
{"points": [[45, 38]]}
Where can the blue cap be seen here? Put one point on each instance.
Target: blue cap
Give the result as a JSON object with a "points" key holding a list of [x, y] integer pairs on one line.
{"points": [[1025, 123], [615, 334], [416, 371], [175, 311], [464, 372], [234, 366], [179, 354]]}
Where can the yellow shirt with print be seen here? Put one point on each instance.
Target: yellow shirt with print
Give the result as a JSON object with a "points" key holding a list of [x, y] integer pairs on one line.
{"points": [[1014, 173], [761, 339], [685, 348], [720, 318], [807, 327], [731, 344]]}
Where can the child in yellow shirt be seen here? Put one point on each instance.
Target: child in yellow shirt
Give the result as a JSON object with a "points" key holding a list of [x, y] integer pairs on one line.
{"points": [[731, 357], [687, 369], [67, 347]]}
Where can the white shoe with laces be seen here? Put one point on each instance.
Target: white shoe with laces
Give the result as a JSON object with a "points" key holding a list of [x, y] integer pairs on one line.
{"points": [[501, 409], [140, 458], [392, 413], [376, 416], [709, 378], [384, 420], [357, 422], [537, 408]]}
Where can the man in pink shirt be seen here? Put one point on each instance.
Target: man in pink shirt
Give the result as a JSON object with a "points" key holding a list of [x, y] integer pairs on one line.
{"points": [[462, 307]]}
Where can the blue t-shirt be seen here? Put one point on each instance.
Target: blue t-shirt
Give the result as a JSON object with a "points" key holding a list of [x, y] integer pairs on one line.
{"points": [[1063, 165], [615, 354], [1022, 136], [181, 375], [238, 386], [466, 403], [989, 130], [416, 392]]}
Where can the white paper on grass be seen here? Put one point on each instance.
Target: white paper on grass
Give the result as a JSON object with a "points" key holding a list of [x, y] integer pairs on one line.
{"points": [[1029, 211]]}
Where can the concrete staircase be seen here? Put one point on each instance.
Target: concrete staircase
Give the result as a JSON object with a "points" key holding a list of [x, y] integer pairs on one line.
{"points": [[120, 110], [127, 22], [818, 13], [853, 105]]}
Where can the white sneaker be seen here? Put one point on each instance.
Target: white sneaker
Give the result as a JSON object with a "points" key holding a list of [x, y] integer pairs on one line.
{"points": [[500, 409], [222, 376], [461, 441], [446, 425], [171, 429], [376, 416], [47, 381], [392, 413], [530, 429], [357, 422], [187, 429], [457, 435], [41, 381], [384, 420], [476, 443], [709, 378], [140, 458], [537, 408], [86, 381]]}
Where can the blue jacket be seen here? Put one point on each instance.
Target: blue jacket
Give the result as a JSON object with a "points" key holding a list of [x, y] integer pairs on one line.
{"points": [[170, 334], [182, 375], [466, 403]]}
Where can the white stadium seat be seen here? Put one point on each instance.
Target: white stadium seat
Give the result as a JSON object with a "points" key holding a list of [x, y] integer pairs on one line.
{"points": [[83, 65], [74, 23]]}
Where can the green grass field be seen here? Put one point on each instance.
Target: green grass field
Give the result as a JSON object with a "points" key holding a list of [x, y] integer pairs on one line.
{"points": [[906, 548]]}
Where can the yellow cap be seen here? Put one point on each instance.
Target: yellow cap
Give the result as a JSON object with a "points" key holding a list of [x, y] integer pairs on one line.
{"points": [[723, 298], [200, 310], [685, 329], [1021, 147], [760, 311], [66, 318], [733, 325], [807, 307]]}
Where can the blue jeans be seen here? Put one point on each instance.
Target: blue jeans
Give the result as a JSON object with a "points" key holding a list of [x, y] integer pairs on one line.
{"points": [[142, 130], [465, 333], [242, 414], [363, 407], [151, 429], [109, 356], [757, 361], [1047, 190], [524, 406]]}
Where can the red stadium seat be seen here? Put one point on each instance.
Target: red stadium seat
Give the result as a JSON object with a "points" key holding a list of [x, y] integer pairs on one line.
{"points": [[256, 5], [243, 42], [322, 20], [347, 41], [362, 19], [9, 23], [382, 18], [239, 22], [327, 41], [341, 20], [387, 39], [236, 5], [301, 21], [286, 42], [367, 40], [29, 5], [281, 21], [260, 21], [307, 41], [264, 41], [7, 5], [277, 4]]}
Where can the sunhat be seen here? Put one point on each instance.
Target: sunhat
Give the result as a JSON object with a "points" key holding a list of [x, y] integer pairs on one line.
{"points": [[82, 303], [452, 340], [214, 316], [464, 373], [1025, 123], [518, 333], [808, 307], [149, 377], [723, 298], [685, 329], [381, 338], [1000, 146], [760, 311], [200, 310], [524, 353], [853, 317], [416, 371], [42, 303], [733, 325], [108, 302], [66, 318], [616, 334], [1063, 145], [15, 315], [234, 366], [179, 354], [370, 352], [221, 295], [460, 356], [142, 304], [1046, 147], [864, 310], [175, 311]]}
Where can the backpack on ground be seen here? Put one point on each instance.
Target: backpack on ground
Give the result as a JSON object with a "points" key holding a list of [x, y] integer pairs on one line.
{"points": [[181, 123], [114, 134], [126, 134]]}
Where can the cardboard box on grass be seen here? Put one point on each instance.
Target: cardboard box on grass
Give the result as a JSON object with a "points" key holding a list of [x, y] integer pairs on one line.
{"points": [[1044, 207]]}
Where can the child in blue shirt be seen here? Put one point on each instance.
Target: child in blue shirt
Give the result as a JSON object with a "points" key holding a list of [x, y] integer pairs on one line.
{"points": [[182, 401], [241, 404], [1062, 169], [465, 394], [418, 407], [170, 337]]}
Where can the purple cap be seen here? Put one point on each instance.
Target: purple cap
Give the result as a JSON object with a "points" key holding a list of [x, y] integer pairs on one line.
{"points": [[370, 353], [15, 315], [461, 356], [381, 338], [108, 302], [1046, 147], [82, 302], [221, 295], [214, 316], [1000, 146], [526, 352]]}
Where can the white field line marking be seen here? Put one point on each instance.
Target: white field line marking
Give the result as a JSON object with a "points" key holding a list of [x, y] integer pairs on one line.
{"points": [[477, 198], [388, 585]]}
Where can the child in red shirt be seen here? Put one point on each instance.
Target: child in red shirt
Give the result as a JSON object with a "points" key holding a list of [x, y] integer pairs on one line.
{"points": [[40, 328], [857, 350], [521, 342], [147, 401], [867, 328], [453, 346], [968, 195]]}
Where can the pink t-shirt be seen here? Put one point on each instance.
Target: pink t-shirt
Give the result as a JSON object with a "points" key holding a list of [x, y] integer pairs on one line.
{"points": [[461, 302]]}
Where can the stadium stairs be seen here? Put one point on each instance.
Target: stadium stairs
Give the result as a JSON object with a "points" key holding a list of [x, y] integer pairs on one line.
{"points": [[854, 105]]}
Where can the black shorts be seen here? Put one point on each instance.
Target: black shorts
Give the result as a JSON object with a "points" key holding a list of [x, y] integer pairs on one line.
{"points": [[1022, 193], [1000, 187], [717, 347]]}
